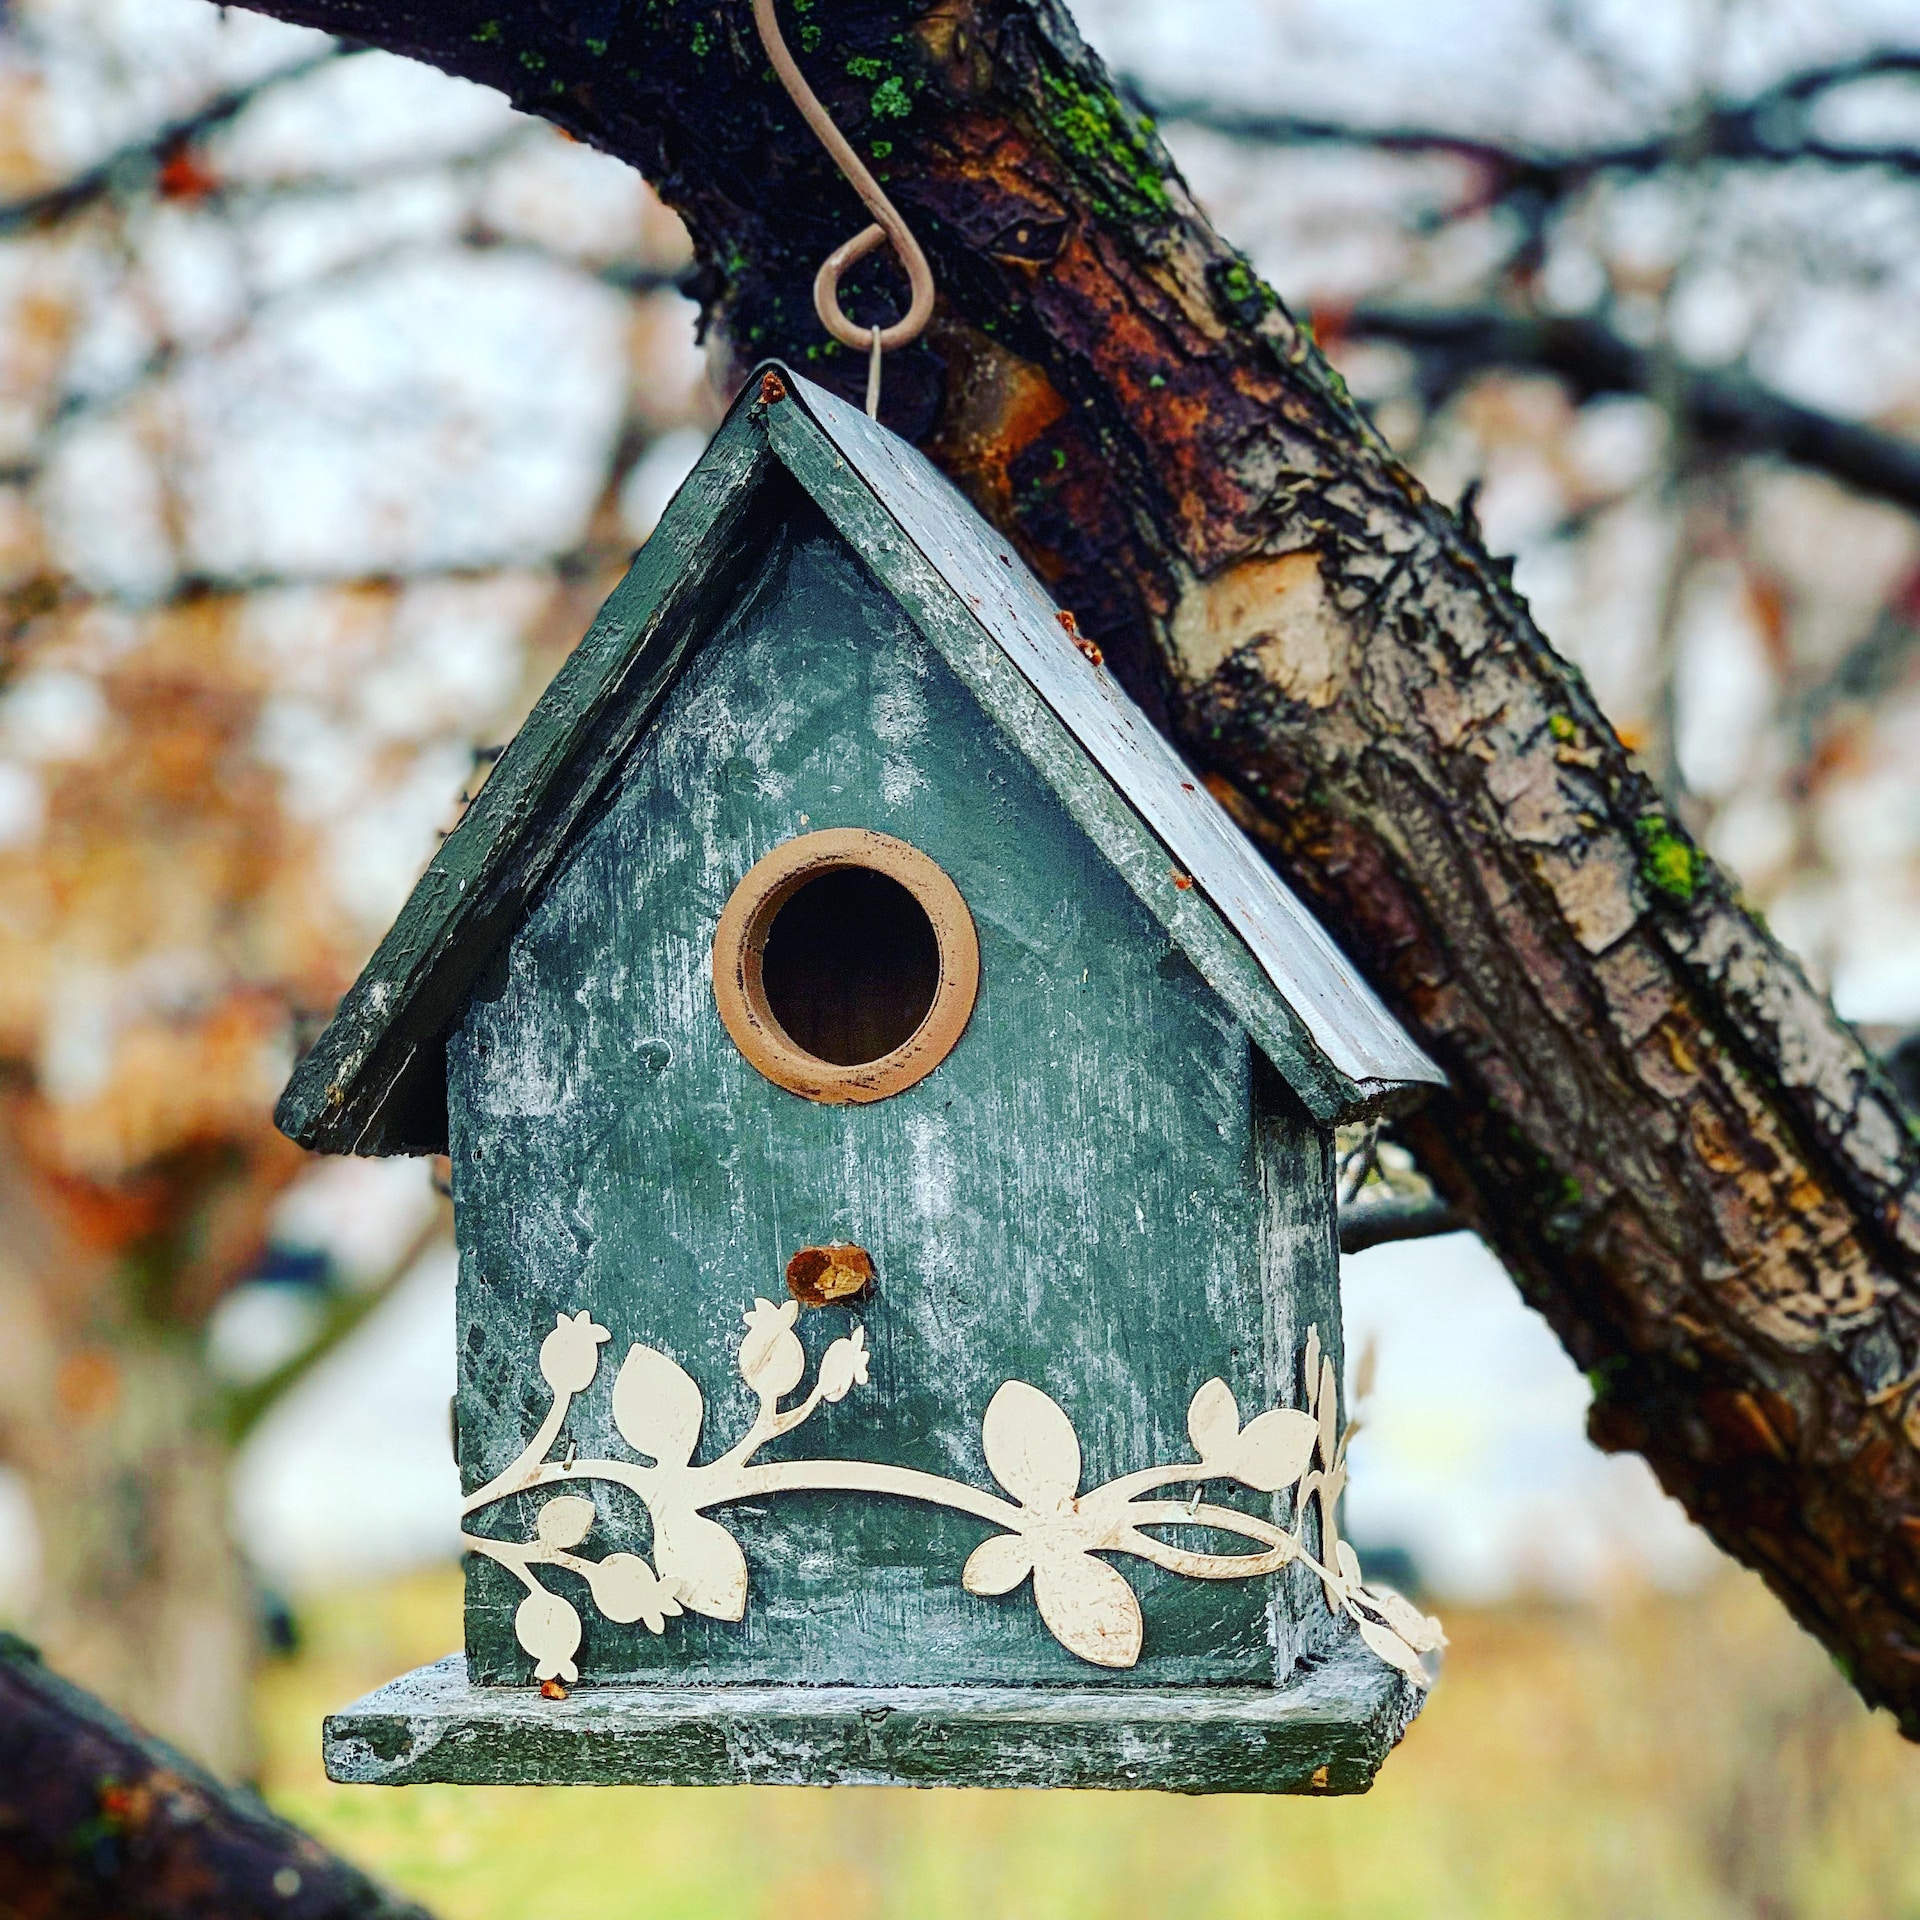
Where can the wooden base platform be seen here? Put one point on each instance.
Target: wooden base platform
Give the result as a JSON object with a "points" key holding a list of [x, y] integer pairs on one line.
{"points": [[1327, 1731]]}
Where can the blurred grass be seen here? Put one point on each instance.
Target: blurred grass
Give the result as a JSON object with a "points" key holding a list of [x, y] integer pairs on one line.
{"points": [[1652, 1756]]}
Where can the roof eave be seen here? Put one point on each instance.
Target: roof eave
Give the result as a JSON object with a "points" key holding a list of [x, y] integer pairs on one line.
{"points": [[374, 1081]]}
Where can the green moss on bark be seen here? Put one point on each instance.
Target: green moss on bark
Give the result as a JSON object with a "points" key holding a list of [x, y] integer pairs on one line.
{"points": [[1669, 864], [1092, 125]]}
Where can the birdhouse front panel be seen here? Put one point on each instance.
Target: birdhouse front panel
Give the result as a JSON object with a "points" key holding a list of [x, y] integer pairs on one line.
{"points": [[1099, 1192]]}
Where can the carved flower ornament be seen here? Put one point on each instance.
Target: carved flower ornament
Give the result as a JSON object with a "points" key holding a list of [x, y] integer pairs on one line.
{"points": [[1050, 1532]]}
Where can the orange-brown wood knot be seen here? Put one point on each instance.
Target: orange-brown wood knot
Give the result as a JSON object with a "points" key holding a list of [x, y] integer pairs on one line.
{"points": [[772, 389], [820, 1276]]}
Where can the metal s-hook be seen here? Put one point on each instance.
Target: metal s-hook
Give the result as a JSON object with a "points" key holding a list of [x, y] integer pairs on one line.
{"points": [[888, 228]]}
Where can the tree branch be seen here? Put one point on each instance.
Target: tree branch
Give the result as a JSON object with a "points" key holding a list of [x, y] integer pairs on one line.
{"points": [[1772, 128], [1727, 410], [1377, 1217], [1688, 1163], [137, 164], [99, 1821]]}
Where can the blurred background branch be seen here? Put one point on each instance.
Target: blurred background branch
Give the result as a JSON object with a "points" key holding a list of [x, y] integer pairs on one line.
{"points": [[1775, 127], [1727, 412]]}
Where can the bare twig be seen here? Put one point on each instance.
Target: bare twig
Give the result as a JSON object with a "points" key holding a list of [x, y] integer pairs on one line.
{"points": [[1773, 127], [1725, 410], [1381, 1215], [138, 163], [346, 1311]]}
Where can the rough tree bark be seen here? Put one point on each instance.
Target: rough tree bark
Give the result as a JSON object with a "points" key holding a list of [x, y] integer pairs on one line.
{"points": [[98, 1821], [1689, 1164]]}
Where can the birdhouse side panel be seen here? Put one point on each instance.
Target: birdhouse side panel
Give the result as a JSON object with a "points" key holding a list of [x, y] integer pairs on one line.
{"points": [[1300, 1249], [1076, 1198]]}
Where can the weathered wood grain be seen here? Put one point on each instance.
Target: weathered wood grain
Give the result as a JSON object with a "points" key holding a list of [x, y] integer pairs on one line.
{"points": [[1327, 1732], [1073, 1198]]}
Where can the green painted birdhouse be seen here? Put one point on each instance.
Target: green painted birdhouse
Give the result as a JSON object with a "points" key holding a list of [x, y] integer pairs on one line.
{"points": [[890, 1111]]}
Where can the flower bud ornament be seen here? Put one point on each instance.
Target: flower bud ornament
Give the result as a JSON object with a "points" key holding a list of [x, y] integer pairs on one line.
{"points": [[549, 1629], [845, 1366], [570, 1354], [771, 1359]]}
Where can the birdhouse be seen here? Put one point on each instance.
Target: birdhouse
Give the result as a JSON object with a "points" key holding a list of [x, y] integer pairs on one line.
{"points": [[890, 1109]]}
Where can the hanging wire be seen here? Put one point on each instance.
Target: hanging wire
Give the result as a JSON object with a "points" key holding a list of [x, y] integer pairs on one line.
{"points": [[888, 228]]}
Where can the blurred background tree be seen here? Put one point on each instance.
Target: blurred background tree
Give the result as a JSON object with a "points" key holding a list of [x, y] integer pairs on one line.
{"points": [[334, 395], [333, 398]]}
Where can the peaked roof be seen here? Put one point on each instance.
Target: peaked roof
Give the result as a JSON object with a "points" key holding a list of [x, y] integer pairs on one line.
{"points": [[375, 1080]]}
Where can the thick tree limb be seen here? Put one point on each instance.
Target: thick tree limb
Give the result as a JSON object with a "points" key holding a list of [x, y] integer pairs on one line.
{"points": [[99, 1821], [1687, 1162], [1726, 410]]}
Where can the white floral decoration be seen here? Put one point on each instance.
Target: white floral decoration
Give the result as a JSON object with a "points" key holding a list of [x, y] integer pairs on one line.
{"points": [[1050, 1532]]}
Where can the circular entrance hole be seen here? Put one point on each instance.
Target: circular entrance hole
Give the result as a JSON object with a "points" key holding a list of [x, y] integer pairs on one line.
{"points": [[851, 966], [845, 965]]}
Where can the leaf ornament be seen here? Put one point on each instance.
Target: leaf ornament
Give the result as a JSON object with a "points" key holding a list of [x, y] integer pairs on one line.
{"points": [[1270, 1452], [1347, 1564], [1213, 1423], [1419, 1630], [1326, 1404], [1031, 1447], [1088, 1607], [1391, 1625], [1273, 1449], [704, 1562], [998, 1565], [1393, 1650], [658, 1407]]}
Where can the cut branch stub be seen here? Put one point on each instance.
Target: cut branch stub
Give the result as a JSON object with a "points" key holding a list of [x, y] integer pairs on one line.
{"points": [[822, 1276]]}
